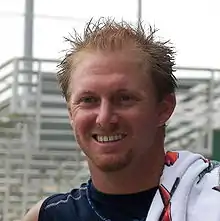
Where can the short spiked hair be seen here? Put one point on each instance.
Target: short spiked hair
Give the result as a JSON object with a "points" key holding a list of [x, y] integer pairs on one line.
{"points": [[107, 34]]}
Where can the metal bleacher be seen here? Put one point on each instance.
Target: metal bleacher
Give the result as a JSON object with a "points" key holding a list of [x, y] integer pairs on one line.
{"points": [[38, 153], [197, 112]]}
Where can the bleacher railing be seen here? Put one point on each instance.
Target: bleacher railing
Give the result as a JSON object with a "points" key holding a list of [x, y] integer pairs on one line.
{"points": [[35, 93], [38, 155], [197, 112]]}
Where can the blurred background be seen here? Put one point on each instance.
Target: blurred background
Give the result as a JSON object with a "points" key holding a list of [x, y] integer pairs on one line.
{"points": [[38, 154]]}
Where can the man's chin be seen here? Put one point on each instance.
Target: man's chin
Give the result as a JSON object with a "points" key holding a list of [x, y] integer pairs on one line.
{"points": [[113, 164], [108, 167]]}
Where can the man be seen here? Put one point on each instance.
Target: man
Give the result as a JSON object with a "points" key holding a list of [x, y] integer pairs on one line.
{"points": [[120, 90]]}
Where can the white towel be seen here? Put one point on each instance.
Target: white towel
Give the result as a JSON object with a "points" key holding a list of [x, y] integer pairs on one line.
{"points": [[189, 189]]}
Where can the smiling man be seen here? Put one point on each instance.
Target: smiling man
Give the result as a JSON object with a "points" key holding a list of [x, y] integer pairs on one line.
{"points": [[119, 87]]}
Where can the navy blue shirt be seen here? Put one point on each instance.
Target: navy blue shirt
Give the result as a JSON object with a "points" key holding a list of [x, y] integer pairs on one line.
{"points": [[88, 204]]}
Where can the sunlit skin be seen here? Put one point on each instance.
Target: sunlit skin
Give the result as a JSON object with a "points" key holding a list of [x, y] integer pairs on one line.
{"points": [[112, 94]]}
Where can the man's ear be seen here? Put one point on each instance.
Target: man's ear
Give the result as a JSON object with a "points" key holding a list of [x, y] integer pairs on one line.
{"points": [[166, 108]]}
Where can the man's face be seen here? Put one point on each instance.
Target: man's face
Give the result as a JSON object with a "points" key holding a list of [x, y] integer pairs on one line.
{"points": [[113, 110]]}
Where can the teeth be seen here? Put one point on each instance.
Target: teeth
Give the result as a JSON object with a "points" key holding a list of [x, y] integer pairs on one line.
{"points": [[118, 137], [105, 138], [109, 138]]}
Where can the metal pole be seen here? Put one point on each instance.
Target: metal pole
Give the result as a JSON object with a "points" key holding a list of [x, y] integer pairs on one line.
{"points": [[28, 28], [210, 112], [27, 158], [28, 47], [7, 184], [139, 15], [14, 101]]}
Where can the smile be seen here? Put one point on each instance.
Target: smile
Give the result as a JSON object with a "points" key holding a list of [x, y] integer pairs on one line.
{"points": [[112, 138]]}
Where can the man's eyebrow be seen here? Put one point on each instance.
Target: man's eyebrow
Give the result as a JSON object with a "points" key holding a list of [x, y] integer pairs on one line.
{"points": [[85, 92], [122, 90]]}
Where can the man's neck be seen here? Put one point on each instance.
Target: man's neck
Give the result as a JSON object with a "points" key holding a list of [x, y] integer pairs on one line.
{"points": [[142, 175]]}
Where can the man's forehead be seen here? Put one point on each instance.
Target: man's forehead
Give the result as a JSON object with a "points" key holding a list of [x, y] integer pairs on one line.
{"points": [[104, 86], [107, 64], [107, 69], [93, 81]]}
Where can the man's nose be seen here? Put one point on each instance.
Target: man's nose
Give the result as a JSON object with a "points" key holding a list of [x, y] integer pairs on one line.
{"points": [[106, 115]]}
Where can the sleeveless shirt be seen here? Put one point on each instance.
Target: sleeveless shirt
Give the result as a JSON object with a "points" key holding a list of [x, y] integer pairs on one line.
{"points": [[88, 204]]}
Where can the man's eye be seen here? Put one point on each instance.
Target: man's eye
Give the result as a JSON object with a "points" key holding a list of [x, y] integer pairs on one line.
{"points": [[88, 100], [125, 98]]}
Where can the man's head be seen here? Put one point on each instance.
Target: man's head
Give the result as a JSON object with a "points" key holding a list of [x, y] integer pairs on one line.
{"points": [[119, 86]]}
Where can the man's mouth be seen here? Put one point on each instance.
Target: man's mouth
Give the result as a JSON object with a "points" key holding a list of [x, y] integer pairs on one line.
{"points": [[108, 138]]}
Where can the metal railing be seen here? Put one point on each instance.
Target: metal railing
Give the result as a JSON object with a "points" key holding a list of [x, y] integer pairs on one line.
{"points": [[197, 114], [36, 135], [35, 93]]}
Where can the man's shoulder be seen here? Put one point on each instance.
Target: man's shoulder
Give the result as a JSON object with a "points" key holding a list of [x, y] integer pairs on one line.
{"points": [[60, 199], [63, 205]]}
